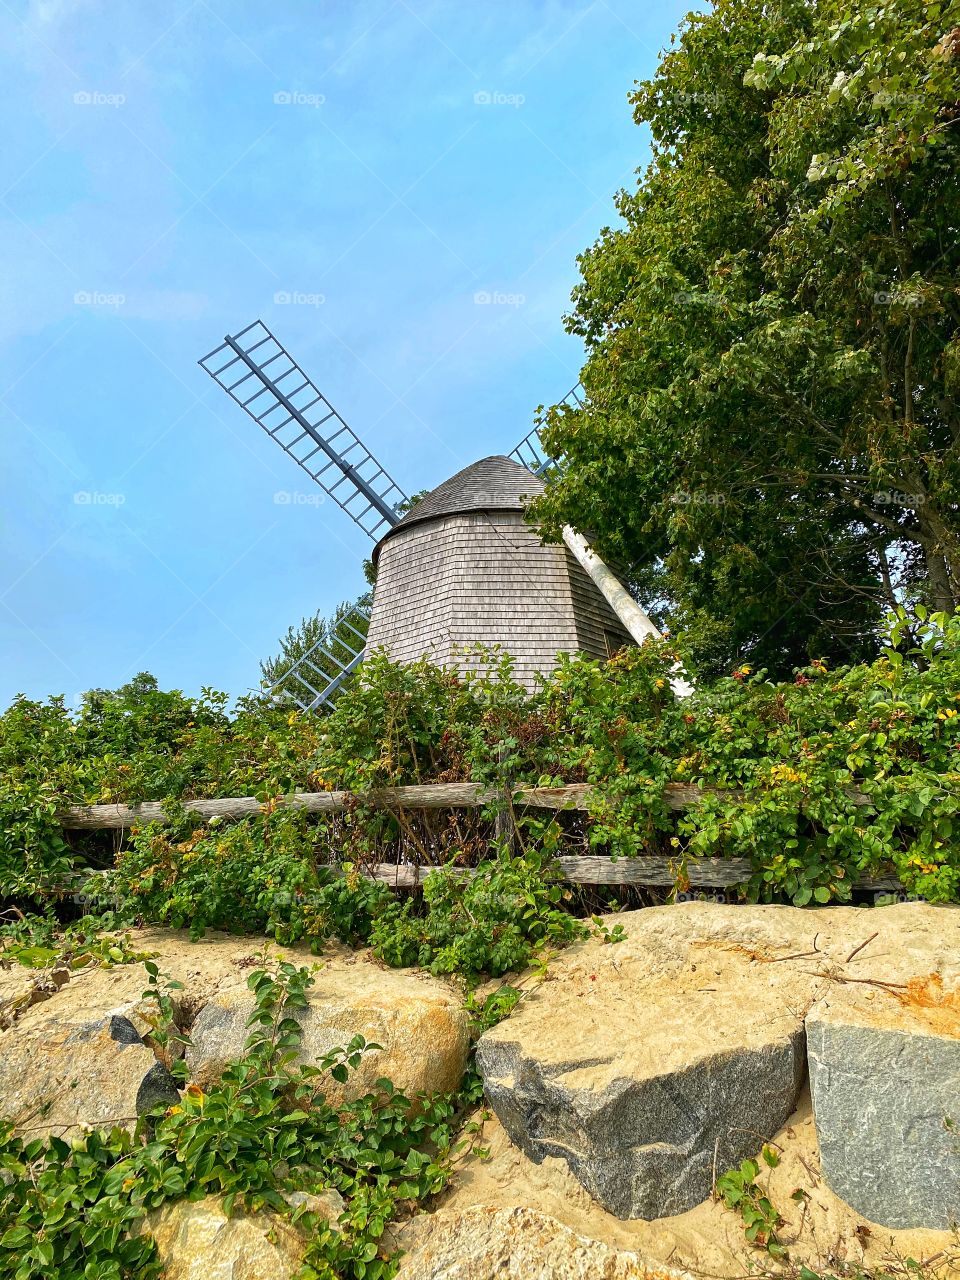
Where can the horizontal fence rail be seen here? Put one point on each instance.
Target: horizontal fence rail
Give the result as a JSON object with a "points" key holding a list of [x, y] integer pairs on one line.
{"points": [[431, 795], [434, 795], [642, 871]]}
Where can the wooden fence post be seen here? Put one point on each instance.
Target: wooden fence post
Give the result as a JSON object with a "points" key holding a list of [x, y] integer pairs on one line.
{"points": [[504, 826]]}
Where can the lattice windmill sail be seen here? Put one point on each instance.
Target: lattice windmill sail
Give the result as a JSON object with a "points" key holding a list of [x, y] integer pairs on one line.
{"points": [[530, 452], [460, 567], [292, 411]]}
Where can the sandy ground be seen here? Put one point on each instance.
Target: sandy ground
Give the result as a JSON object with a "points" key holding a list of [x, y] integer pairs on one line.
{"points": [[819, 1230]]}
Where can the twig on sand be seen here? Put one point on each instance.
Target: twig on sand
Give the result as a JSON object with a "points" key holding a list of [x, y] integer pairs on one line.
{"points": [[856, 950]]}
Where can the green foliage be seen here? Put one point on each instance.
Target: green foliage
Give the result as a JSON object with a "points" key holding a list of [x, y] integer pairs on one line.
{"points": [[71, 1209], [35, 753], [770, 434], [65, 1211], [486, 1013], [603, 931], [42, 942], [262, 875], [896, 1269], [492, 922], [739, 1190], [164, 1036], [840, 773], [860, 770], [423, 723], [817, 781], [619, 727], [257, 876]]}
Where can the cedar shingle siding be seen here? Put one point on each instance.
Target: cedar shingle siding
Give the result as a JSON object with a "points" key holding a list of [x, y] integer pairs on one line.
{"points": [[463, 567]]}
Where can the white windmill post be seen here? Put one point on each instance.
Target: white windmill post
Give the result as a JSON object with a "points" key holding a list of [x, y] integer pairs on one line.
{"points": [[619, 599]]}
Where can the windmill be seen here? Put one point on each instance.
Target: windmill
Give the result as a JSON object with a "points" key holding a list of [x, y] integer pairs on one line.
{"points": [[460, 566]]}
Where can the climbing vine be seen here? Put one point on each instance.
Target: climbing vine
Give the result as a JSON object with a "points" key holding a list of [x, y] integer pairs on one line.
{"points": [[78, 1209]]}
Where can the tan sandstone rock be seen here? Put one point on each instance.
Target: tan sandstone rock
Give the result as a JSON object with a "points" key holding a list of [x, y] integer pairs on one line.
{"points": [[20, 988], [58, 1073], [514, 1244], [419, 1022], [79, 1057], [197, 1241]]}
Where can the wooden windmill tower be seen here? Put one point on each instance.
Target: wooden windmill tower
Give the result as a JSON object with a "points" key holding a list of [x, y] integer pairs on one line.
{"points": [[461, 566], [464, 567]]}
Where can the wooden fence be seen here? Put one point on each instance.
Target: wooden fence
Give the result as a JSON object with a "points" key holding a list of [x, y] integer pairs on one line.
{"points": [[643, 871]]}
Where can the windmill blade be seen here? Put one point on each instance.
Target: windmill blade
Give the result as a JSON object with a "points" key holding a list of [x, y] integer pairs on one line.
{"points": [[314, 679], [530, 452], [261, 376]]}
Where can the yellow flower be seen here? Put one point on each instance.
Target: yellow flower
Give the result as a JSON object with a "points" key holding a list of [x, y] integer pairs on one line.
{"points": [[659, 683], [947, 713]]}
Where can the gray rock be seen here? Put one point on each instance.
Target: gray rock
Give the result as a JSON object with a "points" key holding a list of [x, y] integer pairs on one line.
{"points": [[650, 1064], [645, 1145], [885, 1083], [157, 1086]]}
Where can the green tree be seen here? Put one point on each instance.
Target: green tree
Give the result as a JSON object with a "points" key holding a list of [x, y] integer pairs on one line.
{"points": [[770, 436]]}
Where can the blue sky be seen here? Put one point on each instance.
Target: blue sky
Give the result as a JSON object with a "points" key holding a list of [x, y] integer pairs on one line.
{"points": [[172, 172]]}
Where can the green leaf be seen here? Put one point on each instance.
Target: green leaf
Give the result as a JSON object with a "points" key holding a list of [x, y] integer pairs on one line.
{"points": [[15, 1237]]}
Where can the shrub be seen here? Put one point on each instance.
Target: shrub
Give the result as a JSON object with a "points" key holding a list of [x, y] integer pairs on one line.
{"points": [[258, 875], [492, 922], [835, 774], [816, 781], [70, 1209]]}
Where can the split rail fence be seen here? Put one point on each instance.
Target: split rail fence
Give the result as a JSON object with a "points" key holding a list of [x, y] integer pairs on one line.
{"points": [[590, 869]]}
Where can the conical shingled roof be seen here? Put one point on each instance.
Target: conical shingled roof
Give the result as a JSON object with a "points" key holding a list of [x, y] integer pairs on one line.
{"points": [[492, 484]]}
